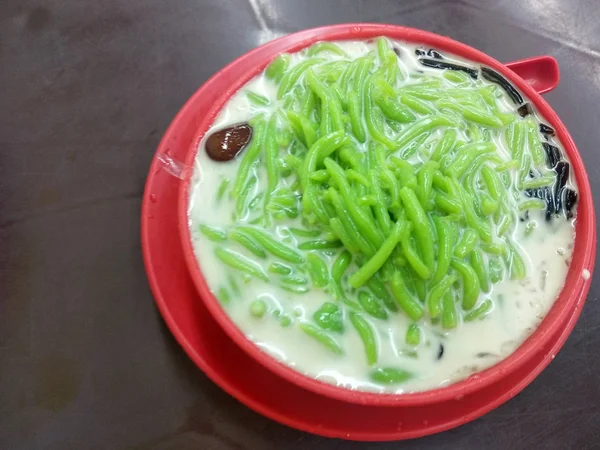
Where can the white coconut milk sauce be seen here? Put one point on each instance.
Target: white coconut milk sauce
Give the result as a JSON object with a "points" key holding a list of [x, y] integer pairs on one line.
{"points": [[519, 305]]}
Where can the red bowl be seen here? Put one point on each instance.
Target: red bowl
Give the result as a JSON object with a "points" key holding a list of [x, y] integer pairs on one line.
{"points": [[235, 75]]}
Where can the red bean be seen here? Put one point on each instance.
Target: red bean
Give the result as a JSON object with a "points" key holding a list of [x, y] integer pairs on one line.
{"points": [[225, 144], [525, 109]]}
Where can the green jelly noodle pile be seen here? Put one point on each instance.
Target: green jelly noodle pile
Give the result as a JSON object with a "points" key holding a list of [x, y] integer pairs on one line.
{"points": [[399, 213]]}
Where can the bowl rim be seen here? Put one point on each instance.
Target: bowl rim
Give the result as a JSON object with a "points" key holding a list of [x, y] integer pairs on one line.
{"points": [[566, 303]]}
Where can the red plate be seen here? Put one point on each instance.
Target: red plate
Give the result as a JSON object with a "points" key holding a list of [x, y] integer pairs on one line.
{"points": [[260, 388]]}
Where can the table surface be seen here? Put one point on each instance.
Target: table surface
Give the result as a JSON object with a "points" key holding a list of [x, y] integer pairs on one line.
{"points": [[87, 89]]}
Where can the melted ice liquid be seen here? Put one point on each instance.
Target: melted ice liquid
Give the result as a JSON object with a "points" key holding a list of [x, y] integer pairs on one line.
{"points": [[519, 305]]}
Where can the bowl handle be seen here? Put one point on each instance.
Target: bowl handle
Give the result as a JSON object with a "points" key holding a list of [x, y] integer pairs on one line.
{"points": [[539, 72]]}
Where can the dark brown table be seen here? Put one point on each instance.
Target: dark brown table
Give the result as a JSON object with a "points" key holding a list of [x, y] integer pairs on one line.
{"points": [[86, 90]]}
